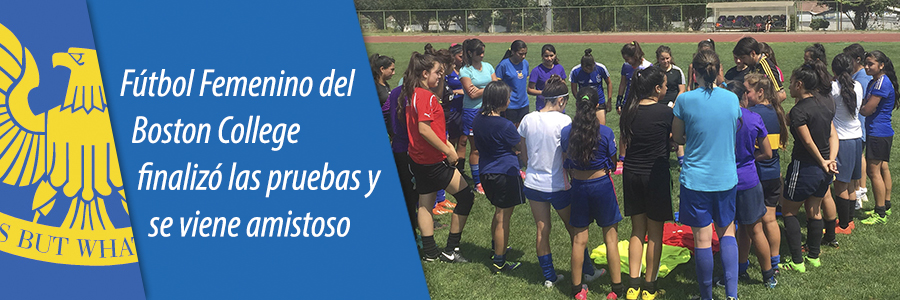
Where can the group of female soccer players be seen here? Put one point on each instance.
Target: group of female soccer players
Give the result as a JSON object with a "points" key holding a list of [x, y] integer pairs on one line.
{"points": [[728, 125]]}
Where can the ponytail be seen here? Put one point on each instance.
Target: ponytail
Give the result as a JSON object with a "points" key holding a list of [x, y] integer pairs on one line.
{"points": [[513, 48], [758, 81], [816, 53], [842, 66], [643, 84], [706, 65], [418, 63], [633, 49], [555, 90], [888, 71], [378, 62], [471, 48], [585, 127]]}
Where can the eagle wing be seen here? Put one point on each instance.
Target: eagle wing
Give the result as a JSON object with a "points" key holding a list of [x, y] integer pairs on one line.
{"points": [[22, 133]]}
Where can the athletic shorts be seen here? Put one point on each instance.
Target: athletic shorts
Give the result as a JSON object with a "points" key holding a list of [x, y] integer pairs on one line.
{"points": [[594, 200], [849, 160], [879, 148], [699, 209], [648, 194], [749, 205], [771, 191], [431, 178], [503, 190], [804, 180], [453, 117], [558, 199], [468, 116], [515, 115]]}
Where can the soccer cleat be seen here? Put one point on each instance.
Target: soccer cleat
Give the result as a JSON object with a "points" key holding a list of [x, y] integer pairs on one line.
{"points": [[440, 210], [801, 267], [815, 262], [863, 194], [427, 258], [832, 244], [874, 219], [582, 295], [771, 283], [549, 284], [479, 189], [597, 274], [611, 296], [731, 298], [872, 212], [645, 295], [839, 230], [632, 294], [522, 173], [447, 204], [506, 267], [453, 257], [852, 226], [720, 281], [508, 248]]}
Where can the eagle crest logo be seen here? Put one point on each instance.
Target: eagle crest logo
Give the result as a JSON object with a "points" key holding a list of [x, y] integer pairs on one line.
{"points": [[68, 152]]}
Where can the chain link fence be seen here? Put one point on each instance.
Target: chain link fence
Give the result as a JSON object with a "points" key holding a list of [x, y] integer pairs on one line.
{"points": [[809, 15], [541, 19]]}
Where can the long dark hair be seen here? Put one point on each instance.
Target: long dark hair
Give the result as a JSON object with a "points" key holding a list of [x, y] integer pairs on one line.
{"points": [[555, 90], [824, 78], [471, 48], [418, 63], [745, 46], [856, 52], [758, 81], [816, 52], [706, 65], [585, 127], [514, 48], [643, 84], [378, 62], [496, 93], [549, 47], [809, 75], [633, 49], [842, 66], [889, 71], [706, 43], [768, 51]]}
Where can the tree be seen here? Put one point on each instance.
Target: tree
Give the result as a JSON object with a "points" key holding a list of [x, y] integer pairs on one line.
{"points": [[862, 10]]}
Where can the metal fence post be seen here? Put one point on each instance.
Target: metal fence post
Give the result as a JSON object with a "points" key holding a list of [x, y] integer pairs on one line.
{"points": [[383, 20], [523, 21], [579, 21], [615, 21], [648, 17], [466, 22], [409, 22]]}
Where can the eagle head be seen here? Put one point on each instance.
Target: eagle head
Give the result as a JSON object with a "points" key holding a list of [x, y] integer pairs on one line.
{"points": [[85, 85]]}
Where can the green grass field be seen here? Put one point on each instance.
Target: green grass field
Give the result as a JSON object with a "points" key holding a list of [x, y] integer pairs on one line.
{"points": [[862, 268]]}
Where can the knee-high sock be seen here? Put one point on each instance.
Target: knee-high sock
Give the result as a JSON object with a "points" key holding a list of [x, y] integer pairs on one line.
{"points": [[829, 230], [547, 268], [814, 237], [588, 267], [792, 233], [475, 176], [704, 260], [729, 255], [844, 213]]}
